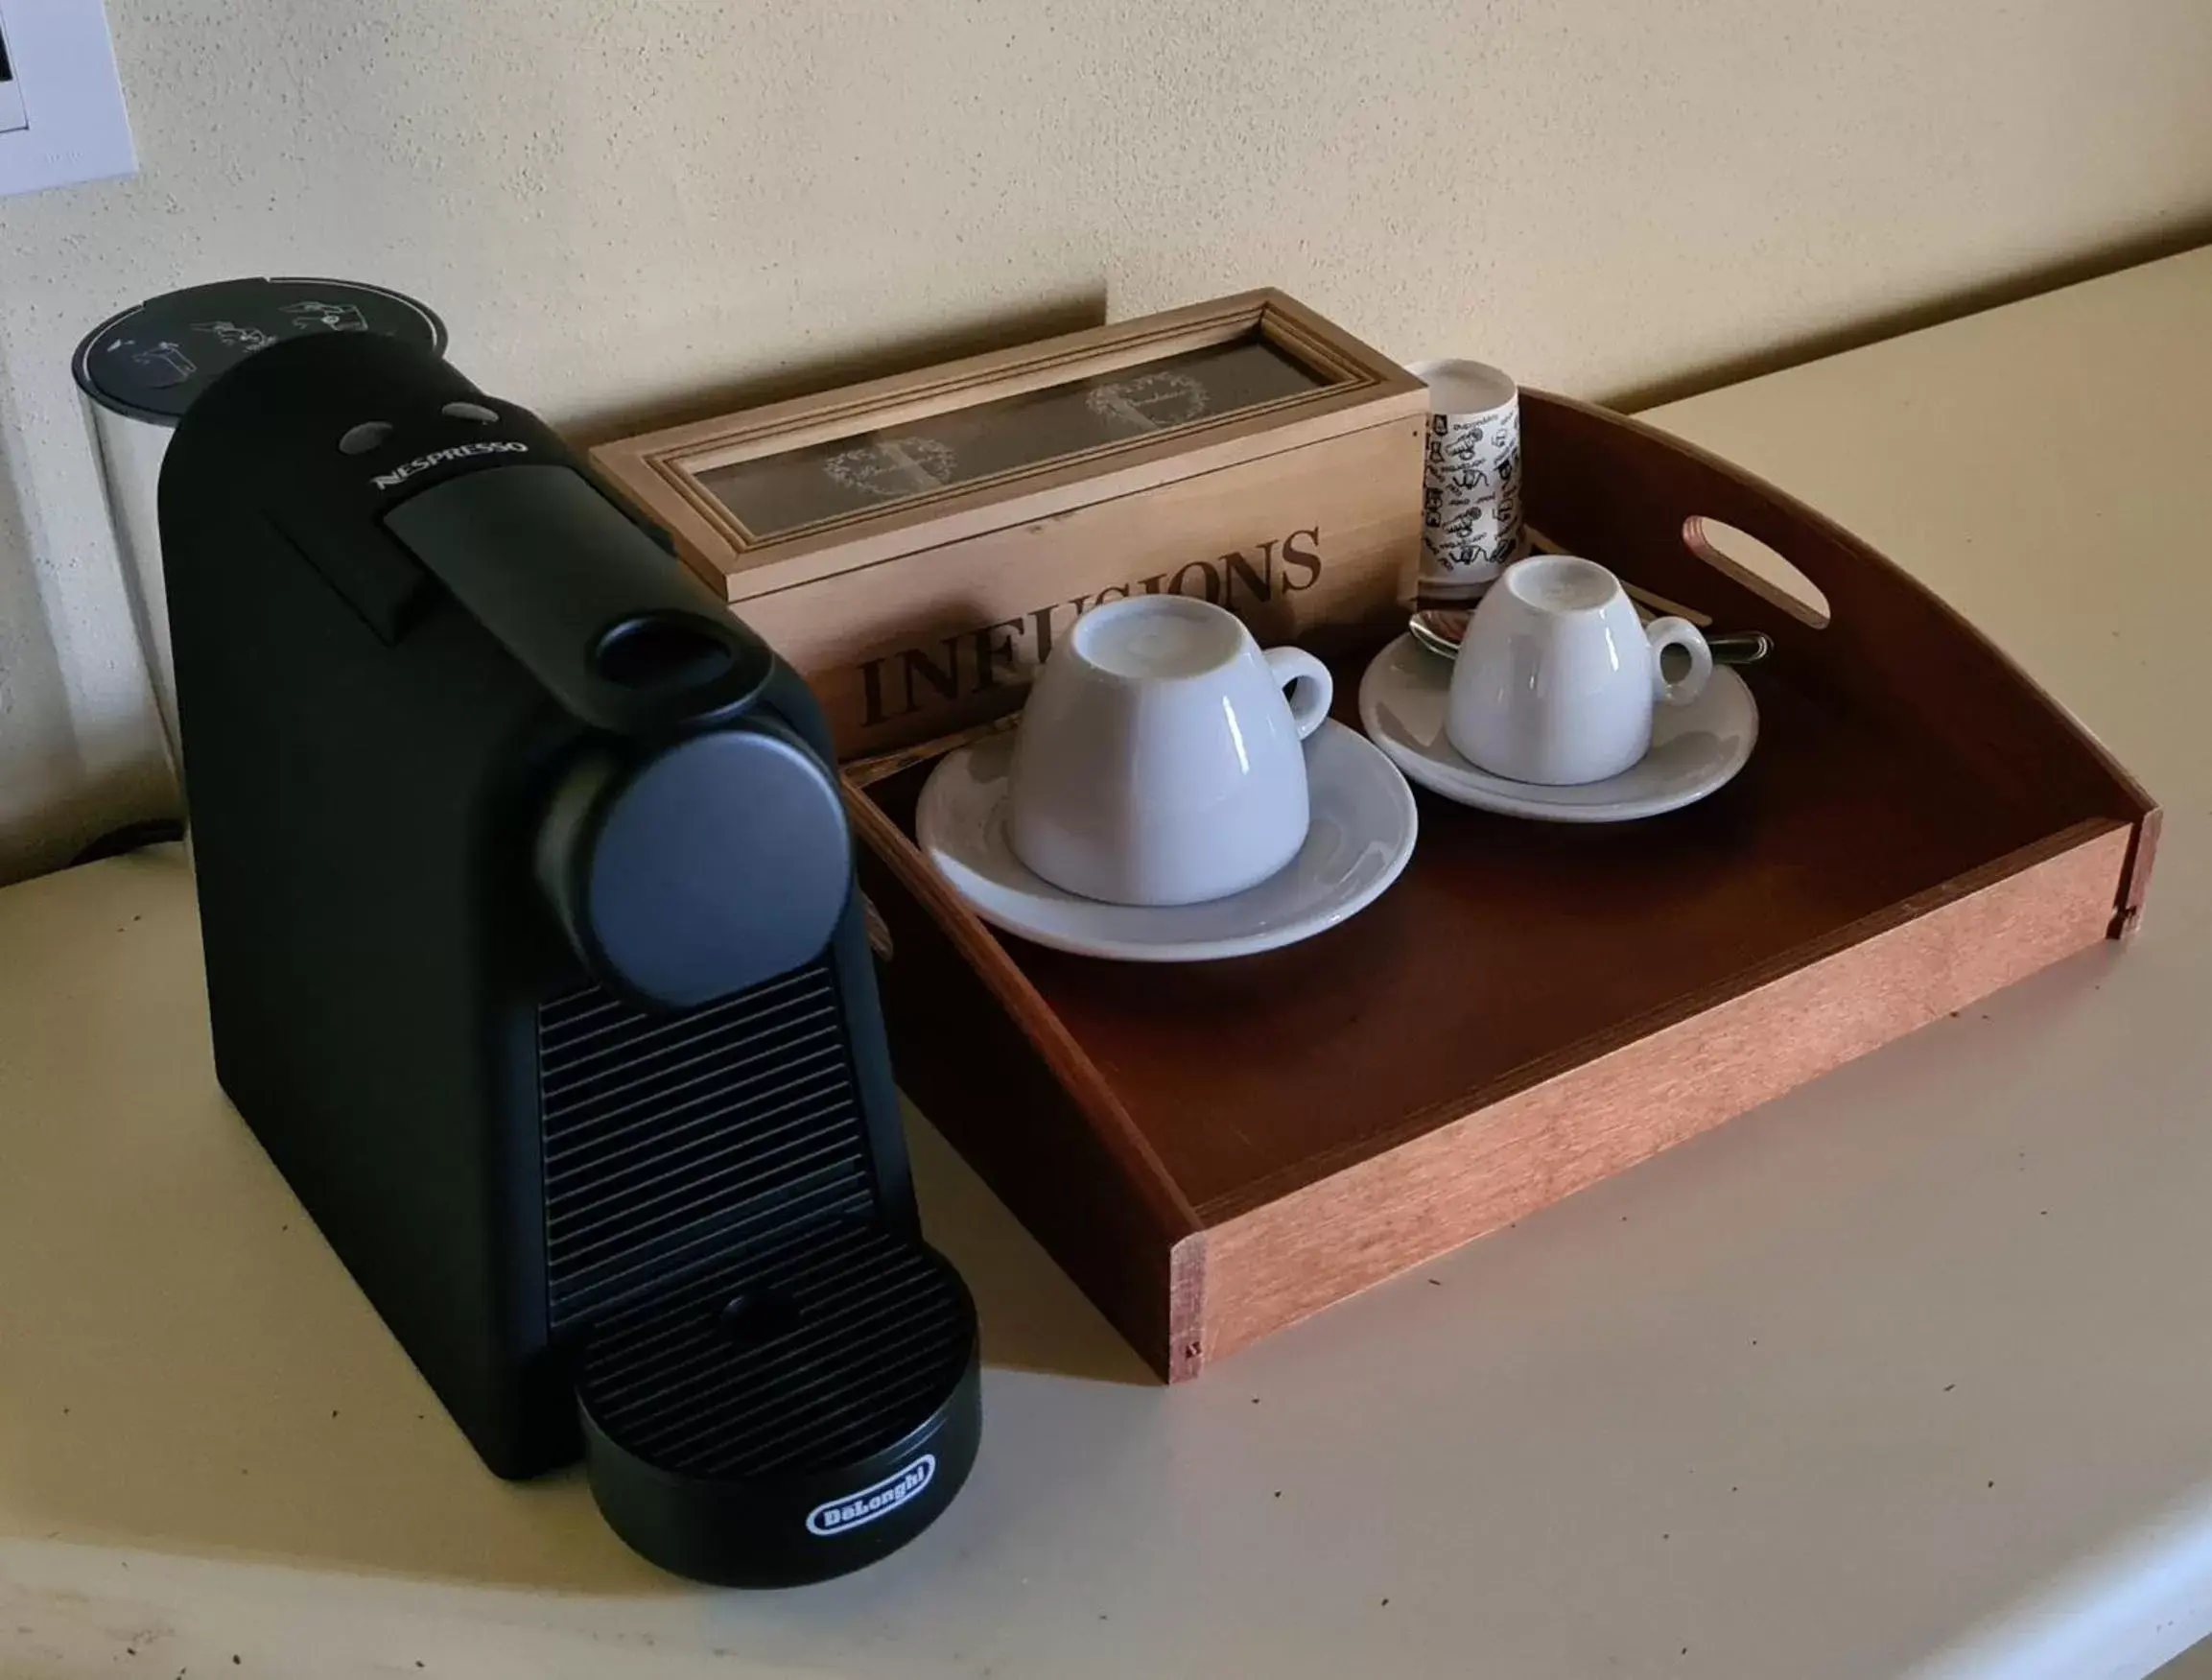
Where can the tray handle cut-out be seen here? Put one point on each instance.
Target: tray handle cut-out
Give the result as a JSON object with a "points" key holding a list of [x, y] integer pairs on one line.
{"points": [[1757, 567]]}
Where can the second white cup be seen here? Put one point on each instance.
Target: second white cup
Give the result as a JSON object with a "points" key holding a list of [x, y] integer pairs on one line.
{"points": [[1160, 760], [1556, 676]]}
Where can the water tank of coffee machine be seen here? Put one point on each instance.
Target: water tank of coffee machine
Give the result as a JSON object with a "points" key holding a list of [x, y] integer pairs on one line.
{"points": [[142, 369]]}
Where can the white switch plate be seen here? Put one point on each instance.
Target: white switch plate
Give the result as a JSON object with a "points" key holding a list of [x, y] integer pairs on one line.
{"points": [[61, 117]]}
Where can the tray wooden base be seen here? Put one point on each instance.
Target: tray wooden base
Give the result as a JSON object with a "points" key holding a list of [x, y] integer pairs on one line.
{"points": [[1213, 1152]]}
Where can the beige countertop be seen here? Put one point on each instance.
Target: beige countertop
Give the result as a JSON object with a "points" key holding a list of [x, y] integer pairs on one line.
{"points": [[1905, 1374]]}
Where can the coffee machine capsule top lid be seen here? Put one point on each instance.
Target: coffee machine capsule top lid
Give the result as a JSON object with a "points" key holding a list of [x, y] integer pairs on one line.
{"points": [[152, 360]]}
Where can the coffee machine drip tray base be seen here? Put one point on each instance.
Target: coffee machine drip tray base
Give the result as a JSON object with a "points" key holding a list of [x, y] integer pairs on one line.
{"points": [[786, 1416]]}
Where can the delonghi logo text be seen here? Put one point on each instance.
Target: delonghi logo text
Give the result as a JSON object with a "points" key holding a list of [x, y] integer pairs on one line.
{"points": [[399, 475], [836, 1516]]}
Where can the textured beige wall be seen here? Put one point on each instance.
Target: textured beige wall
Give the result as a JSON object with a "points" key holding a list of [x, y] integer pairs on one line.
{"points": [[619, 207]]}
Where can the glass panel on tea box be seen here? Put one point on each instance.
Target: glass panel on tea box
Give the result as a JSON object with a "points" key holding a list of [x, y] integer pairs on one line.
{"points": [[871, 471]]}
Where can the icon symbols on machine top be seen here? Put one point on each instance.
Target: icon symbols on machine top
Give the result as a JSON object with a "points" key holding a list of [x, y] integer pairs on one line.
{"points": [[836, 1516], [311, 313], [231, 336], [165, 363]]}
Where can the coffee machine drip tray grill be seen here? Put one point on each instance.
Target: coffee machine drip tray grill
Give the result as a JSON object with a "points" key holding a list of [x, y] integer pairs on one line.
{"points": [[772, 1381], [820, 1396], [831, 1350]]}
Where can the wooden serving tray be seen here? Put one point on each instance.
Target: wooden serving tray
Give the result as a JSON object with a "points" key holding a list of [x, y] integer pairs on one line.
{"points": [[1215, 1151]]}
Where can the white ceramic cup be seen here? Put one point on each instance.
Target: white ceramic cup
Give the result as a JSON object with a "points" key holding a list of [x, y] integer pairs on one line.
{"points": [[1556, 676], [1470, 479], [1158, 760]]}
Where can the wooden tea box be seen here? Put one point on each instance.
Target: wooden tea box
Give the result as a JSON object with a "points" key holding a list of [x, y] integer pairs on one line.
{"points": [[913, 545]]}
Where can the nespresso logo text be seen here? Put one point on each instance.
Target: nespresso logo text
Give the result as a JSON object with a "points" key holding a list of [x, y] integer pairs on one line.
{"points": [[399, 475], [1002, 655]]}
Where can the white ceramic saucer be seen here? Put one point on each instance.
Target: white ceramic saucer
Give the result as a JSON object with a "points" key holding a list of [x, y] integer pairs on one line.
{"points": [[1695, 748], [1360, 837]]}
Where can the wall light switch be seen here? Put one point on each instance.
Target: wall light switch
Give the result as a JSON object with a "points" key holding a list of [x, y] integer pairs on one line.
{"points": [[61, 117]]}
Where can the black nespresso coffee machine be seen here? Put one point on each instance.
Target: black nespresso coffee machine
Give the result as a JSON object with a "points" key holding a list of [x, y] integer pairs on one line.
{"points": [[536, 960]]}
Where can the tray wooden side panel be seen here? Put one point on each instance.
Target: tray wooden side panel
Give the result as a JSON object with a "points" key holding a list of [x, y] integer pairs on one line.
{"points": [[985, 1058], [2137, 884], [1616, 490], [1514, 1154]]}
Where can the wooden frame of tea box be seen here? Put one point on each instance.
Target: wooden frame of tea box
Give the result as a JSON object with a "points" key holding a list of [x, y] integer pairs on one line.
{"points": [[1301, 512]]}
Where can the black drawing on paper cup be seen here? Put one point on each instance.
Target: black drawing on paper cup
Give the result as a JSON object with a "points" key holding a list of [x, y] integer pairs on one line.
{"points": [[1470, 501]]}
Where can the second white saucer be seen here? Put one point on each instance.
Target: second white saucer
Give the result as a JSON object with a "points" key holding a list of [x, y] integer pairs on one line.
{"points": [[1358, 839], [1695, 748]]}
